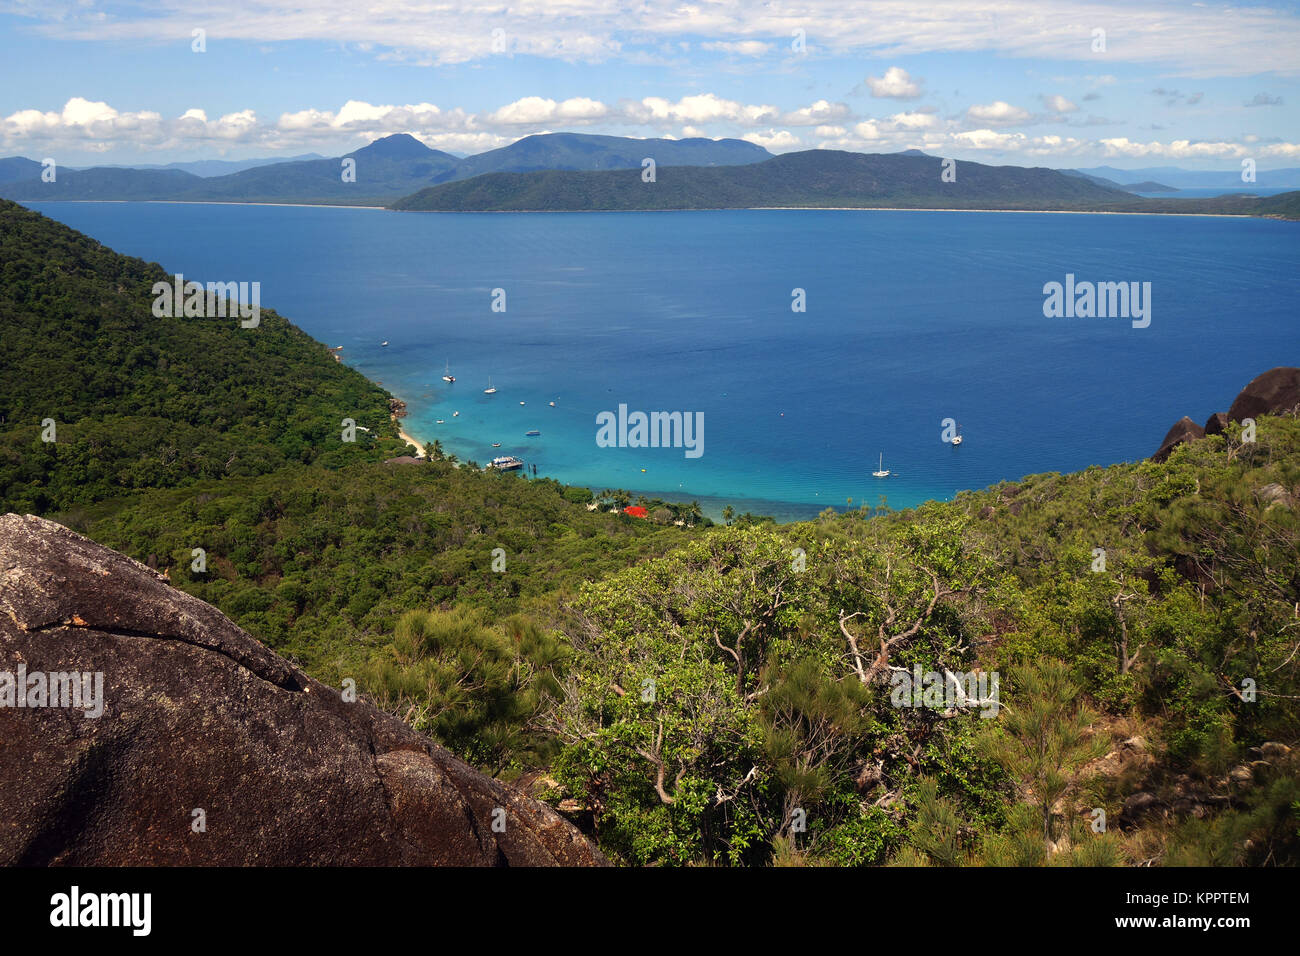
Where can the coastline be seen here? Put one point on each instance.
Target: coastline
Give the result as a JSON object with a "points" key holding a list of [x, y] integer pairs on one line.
{"points": [[329, 205], [408, 437], [212, 202]]}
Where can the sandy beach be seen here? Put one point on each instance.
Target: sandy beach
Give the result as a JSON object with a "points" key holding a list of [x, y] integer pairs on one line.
{"points": [[408, 437]]}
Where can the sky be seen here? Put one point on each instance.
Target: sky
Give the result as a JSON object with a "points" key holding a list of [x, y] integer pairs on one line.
{"points": [[1061, 83]]}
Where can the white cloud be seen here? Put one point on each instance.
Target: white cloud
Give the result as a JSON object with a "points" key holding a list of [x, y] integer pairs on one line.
{"points": [[895, 84], [913, 120], [1059, 104], [821, 111], [1191, 39], [998, 113], [535, 109], [774, 139], [743, 47]]}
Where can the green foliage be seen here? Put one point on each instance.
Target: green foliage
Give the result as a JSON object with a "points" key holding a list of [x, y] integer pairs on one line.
{"points": [[476, 688], [144, 402]]}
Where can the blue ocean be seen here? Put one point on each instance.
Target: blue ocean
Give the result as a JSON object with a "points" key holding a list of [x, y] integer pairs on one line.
{"points": [[910, 318]]}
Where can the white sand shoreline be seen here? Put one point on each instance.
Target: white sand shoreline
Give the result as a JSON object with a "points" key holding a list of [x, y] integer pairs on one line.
{"points": [[409, 438]]}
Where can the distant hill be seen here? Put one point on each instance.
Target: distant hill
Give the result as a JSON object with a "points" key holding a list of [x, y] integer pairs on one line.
{"points": [[16, 169], [578, 151], [1198, 179], [387, 169], [811, 178], [105, 182], [1148, 187], [212, 167]]}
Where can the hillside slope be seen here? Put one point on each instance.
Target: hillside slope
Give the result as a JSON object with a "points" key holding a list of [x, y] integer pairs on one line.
{"points": [[140, 401]]}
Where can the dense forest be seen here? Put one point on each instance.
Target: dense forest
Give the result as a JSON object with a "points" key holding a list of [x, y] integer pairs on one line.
{"points": [[694, 695]]}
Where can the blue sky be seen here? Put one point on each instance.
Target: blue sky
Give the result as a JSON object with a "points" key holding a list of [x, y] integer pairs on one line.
{"points": [[1198, 85]]}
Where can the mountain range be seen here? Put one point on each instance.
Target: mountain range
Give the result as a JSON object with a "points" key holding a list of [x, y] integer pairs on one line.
{"points": [[386, 170], [572, 171]]}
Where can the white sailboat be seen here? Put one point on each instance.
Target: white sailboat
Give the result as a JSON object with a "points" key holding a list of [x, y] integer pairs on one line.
{"points": [[447, 376], [490, 390], [956, 439], [880, 471]]}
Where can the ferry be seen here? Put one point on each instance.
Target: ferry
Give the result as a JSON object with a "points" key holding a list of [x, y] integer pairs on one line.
{"points": [[507, 463]]}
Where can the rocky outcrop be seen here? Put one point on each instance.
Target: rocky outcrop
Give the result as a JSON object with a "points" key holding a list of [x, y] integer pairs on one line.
{"points": [[1184, 430], [210, 748], [1276, 392]]}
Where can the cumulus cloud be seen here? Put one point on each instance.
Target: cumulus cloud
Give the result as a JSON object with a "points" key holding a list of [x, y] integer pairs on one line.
{"points": [[88, 125], [535, 109], [918, 120], [704, 107], [774, 139], [821, 111], [998, 113], [895, 84]]}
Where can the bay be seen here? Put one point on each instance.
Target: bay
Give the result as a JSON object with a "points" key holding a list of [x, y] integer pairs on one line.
{"points": [[912, 318]]}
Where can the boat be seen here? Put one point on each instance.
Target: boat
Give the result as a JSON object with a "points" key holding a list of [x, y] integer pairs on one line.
{"points": [[447, 376], [490, 390], [552, 404], [440, 422], [532, 432], [521, 403], [956, 440], [880, 471], [455, 414], [507, 463], [496, 444]]}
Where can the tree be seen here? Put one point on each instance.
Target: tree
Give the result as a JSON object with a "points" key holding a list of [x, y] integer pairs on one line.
{"points": [[1043, 739]]}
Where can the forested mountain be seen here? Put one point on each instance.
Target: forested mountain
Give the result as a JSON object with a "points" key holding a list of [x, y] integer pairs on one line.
{"points": [[139, 401], [820, 178], [816, 177]]}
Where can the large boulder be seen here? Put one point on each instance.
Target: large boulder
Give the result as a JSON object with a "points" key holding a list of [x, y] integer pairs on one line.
{"points": [[211, 749], [1275, 392], [1184, 430], [1217, 424]]}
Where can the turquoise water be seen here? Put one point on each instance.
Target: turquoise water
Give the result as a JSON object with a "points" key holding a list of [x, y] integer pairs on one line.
{"points": [[912, 317]]}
